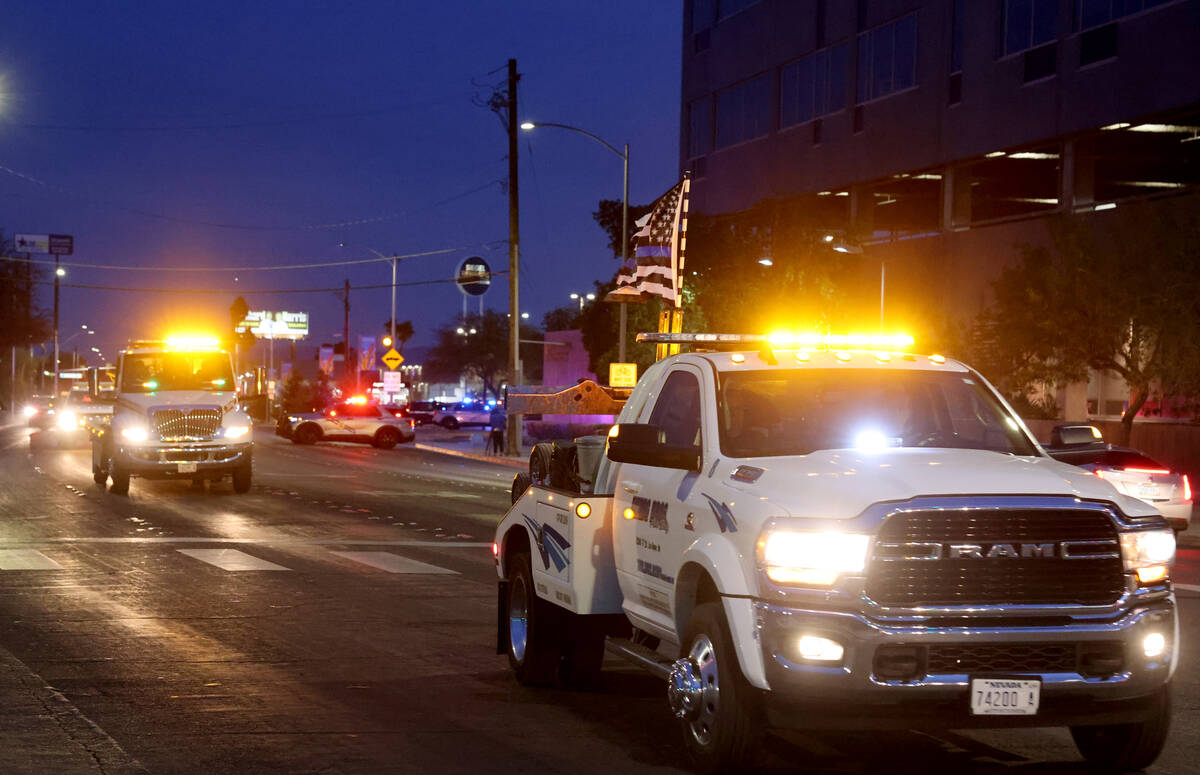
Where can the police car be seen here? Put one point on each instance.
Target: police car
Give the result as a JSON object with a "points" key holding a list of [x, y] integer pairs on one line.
{"points": [[355, 419]]}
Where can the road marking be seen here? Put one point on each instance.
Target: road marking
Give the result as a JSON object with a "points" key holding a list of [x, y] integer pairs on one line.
{"points": [[1188, 587], [230, 559], [275, 541], [26, 559], [393, 563]]}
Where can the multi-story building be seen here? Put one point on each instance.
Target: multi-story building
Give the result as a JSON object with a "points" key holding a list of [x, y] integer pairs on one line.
{"points": [[934, 135]]}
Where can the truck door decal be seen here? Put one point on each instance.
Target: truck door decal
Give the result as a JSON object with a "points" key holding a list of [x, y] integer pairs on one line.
{"points": [[653, 513], [551, 544], [725, 518]]}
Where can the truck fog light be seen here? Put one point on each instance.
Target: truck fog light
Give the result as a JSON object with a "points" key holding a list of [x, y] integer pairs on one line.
{"points": [[1154, 645], [1152, 573], [821, 649]]}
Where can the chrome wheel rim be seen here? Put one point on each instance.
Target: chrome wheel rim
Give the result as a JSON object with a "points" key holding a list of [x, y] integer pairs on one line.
{"points": [[703, 719], [518, 618]]}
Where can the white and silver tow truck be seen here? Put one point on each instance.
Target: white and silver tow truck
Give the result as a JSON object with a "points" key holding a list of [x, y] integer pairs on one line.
{"points": [[833, 532], [176, 415]]}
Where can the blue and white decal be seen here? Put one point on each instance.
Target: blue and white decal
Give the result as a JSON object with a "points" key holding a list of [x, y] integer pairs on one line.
{"points": [[724, 516], [551, 544]]}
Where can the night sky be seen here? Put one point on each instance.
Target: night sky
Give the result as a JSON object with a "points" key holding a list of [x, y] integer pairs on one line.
{"points": [[232, 134]]}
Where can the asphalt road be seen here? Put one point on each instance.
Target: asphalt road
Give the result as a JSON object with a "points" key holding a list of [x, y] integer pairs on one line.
{"points": [[341, 618]]}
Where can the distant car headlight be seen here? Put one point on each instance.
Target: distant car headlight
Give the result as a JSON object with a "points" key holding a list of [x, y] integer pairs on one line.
{"points": [[135, 433], [236, 431], [30, 410], [66, 420], [1149, 554], [811, 559]]}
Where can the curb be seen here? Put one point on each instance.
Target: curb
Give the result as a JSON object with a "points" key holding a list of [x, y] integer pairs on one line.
{"points": [[504, 461]]}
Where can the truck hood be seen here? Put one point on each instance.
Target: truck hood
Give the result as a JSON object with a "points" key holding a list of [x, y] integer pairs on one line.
{"points": [[840, 484], [142, 402]]}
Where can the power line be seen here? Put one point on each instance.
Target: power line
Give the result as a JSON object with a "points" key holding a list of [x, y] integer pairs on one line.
{"points": [[250, 292], [351, 262]]}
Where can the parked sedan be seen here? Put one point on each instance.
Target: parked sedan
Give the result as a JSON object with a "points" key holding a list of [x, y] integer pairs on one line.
{"points": [[460, 415], [422, 412], [349, 421], [1133, 473]]}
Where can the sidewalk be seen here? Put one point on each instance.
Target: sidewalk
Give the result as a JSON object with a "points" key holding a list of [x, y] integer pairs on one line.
{"points": [[471, 444]]}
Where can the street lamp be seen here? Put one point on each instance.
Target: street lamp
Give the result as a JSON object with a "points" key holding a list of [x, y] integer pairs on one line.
{"points": [[582, 298], [529, 125], [393, 259]]}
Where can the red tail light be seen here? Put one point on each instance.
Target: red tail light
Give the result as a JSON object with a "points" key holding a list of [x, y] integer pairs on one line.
{"points": [[1187, 489]]}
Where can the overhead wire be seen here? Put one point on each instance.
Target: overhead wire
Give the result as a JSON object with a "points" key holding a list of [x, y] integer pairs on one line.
{"points": [[247, 291]]}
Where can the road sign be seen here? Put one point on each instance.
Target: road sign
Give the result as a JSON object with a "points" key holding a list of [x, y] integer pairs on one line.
{"points": [[622, 375], [393, 382], [474, 276], [392, 359], [57, 244]]}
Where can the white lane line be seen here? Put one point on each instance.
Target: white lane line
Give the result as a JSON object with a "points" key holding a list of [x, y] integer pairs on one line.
{"points": [[1188, 587], [26, 559], [306, 476], [393, 563], [230, 559], [254, 541]]}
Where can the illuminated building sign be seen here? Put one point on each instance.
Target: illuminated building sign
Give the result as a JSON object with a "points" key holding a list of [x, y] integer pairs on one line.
{"points": [[275, 325]]}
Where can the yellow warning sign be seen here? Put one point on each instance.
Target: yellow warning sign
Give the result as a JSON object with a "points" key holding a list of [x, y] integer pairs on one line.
{"points": [[392, 359], [622, 374]]}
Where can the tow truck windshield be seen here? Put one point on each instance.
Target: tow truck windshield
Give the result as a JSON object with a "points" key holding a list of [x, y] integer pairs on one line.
{"points": [[796, 412], [151, 372]]}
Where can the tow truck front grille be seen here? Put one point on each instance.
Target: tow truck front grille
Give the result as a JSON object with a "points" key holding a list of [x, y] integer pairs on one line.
{"points": [[186, 423], [1013, 556], [911, 662]]}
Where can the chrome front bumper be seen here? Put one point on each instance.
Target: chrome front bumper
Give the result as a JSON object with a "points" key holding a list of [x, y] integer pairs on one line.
{"points": [[807, 693], [166, 460]]}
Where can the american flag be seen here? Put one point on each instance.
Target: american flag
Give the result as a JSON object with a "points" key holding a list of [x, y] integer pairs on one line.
{"points": [[659, 247]]}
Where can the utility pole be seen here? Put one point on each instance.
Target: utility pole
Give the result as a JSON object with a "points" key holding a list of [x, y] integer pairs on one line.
{"points": [[346, 336], [56, 276], [514, 259], [624, 253]]}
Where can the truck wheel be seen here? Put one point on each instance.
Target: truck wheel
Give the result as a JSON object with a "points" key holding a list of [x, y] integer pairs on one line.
{"points": [[120, 480], [242, 476], [534, 632], [720, 713], [520, 484], [539, 462], [306, 434], [386, 438], [1127, 747]]}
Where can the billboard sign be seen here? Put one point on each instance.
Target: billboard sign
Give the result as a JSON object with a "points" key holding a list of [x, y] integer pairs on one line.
{"points": [[474, 276], [275, 325], [56, 244]]}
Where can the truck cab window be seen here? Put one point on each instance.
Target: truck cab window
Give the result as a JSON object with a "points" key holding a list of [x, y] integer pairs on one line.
{"points": [[677, 410]]}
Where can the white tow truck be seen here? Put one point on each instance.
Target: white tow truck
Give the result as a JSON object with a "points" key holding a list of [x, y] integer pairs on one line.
{"points": [[176, 415], [832, 532]]}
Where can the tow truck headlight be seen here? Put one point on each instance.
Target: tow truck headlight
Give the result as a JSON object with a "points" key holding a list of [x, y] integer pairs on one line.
{"points": [[135, 433], [236, 431], [1149, 554], [66, 420], [811, 559], [30, 410]]}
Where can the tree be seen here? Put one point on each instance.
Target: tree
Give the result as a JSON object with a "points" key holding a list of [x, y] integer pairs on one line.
{"points": [[404, 332], [608, 215], [294, 395], [1110, 295], [481, 355]]}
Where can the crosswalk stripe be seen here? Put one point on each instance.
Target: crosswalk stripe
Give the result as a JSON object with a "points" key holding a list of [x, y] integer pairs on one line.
{"points": [[230, 559], [393, 563], [26, 559]]}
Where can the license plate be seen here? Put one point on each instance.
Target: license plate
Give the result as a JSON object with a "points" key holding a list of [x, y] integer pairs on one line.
{"points": [[187, 468], [1005, 697]]}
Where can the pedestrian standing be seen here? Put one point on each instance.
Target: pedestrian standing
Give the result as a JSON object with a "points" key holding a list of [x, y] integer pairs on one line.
{"points": [[498, 420]]}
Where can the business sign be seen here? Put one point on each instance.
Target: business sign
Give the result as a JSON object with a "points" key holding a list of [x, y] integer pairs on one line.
{"points": [[622, 375], [366, 353], [55, 244], [325, 359], [275, 325], [474, 276]]}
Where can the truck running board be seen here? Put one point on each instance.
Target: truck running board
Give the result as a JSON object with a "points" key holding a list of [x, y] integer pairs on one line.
{"points": [[645, 658]]}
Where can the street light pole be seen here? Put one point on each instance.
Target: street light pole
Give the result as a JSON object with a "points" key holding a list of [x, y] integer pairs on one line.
{"points": [[513, 440], [58, 272], [528, 125]]}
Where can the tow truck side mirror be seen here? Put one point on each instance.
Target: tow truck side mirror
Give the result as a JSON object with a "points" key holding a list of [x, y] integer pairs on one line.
{"points": [[646, 445]]}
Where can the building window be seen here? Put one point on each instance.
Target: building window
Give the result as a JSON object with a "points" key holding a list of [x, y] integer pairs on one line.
{"points": [[704, 14], [813, 86], [887, 59], [699, 127], [744, 111], [1094, 13], [1029, 23], [727, 8]]}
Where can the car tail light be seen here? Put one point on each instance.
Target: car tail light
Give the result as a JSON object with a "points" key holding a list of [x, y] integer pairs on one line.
{"points": [[412, 424], [1187, 489], [1147, 471]]}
